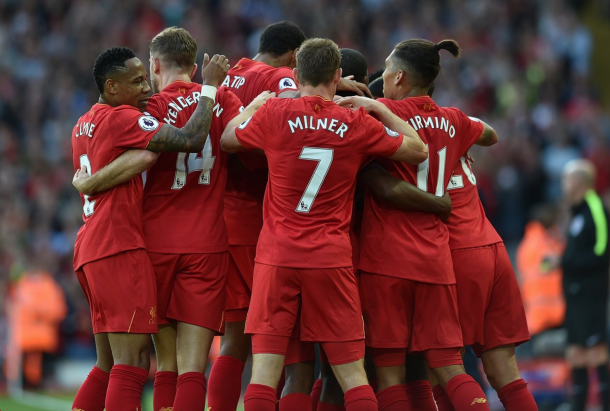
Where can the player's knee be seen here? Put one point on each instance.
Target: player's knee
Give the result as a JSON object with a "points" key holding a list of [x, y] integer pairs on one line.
{"points": [[576, 357], [597, 355]]}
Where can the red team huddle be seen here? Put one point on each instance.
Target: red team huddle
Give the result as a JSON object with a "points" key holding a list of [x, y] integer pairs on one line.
{"points": [[213, 239]]}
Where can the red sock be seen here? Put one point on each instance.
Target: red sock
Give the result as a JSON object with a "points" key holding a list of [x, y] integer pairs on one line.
{"points": [[296, 402], [316, 391], [92, 394], [393, 398], [516, 396], [322, 406], [442, 400], [361, 398], [224, 384], [465, 394], [420, 395], [260, 398], [164, 390], [190, 392], [125, 388]]}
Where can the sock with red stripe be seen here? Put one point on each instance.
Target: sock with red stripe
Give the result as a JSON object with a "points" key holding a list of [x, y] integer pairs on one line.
{"points": [[420, 395], [361, 398], [316, 391], [92, 394], [442, 400], [224, 384], [516, 397], [322, 406], [260, 398], [393, 398], [190, 392], [164, 389], [125, 388], [465, 394], [295, 402]]}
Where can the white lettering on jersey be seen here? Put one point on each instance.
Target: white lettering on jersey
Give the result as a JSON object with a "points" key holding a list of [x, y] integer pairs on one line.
{"points": [[309, 123], [85, 129], [237, 82], [432, 122]]}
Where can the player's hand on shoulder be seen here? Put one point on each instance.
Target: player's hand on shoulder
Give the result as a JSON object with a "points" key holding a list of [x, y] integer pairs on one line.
{"points": [[356, 102], [261, 99], [349, 84], [214, 71], [81, 179]]}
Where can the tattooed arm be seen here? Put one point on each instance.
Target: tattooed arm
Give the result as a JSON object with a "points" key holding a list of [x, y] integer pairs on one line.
{"points": [[191, 138]]}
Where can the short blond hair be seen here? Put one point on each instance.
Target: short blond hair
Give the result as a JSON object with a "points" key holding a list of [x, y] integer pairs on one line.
{"points": [[175, 46]]}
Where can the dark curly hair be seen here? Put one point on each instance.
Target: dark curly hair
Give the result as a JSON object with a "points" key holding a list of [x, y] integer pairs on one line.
{"points": [[280, 38], [109, 62]]}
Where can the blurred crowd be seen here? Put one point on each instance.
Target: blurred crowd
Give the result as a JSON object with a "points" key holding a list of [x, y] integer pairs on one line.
{"points": [[525, 69]]}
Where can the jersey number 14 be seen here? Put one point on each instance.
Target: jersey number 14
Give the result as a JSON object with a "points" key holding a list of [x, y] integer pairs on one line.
{"points": [[203, 162]]}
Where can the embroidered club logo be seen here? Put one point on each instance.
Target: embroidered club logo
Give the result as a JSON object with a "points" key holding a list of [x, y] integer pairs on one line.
{"points": [[153, 315], [148, 123], [244, 124], [287, 83], [391, 133], [479, 401]]}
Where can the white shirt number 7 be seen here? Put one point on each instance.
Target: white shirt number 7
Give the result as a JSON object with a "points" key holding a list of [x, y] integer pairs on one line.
{"points": [[324, 156]]}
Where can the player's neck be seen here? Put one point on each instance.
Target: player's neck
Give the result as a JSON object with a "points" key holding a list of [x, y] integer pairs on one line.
{"points": [[269, 60], [172, 77], [323, 90], [414, 92]]}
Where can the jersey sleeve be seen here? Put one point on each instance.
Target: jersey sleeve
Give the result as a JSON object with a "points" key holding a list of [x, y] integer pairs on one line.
{"points": [[132, 128], [251, 133], [231, 105], [156, 107], [471, 129], [380, 140], [281, 81]]}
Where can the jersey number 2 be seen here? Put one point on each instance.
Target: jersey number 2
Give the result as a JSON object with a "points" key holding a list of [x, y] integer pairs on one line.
{"points": [[89, 206], [195, 163], [324, 157]]}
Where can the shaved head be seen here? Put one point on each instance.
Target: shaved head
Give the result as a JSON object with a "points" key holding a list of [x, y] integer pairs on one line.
{"points": [[578, 176]]}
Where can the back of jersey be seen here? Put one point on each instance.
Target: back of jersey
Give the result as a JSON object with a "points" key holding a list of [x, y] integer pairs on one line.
{"points": [[113, 218], [468, 225], [184, 193], [314, 149], [448, 133], [246, 185]]}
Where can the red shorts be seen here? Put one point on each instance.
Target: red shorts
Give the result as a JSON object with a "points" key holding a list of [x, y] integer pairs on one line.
{"points": [[325, 300], [121, 292], [239, 282], [191, 288], [400, 313], [489, 300]]}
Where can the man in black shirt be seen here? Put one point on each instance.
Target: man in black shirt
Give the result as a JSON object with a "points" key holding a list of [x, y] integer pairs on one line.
{"points": [[586, 263]]}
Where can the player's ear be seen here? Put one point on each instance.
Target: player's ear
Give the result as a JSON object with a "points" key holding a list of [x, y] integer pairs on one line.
{"points": [[293, 58], [338, 74], [156, 65], [193, 70], [295, 75], [400, 75], [111, 86]]}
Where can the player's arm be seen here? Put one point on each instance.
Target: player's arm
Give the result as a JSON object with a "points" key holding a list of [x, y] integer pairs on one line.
{"points": [[128, 165], [413, 150], [191, 138], [402, 195], [488, 137], [349, 84], [228, 140]]}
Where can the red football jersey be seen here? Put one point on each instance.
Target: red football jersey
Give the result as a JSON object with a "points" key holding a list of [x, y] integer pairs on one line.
{"points": [[468, 225], [246, 187], [414, 245], [314, 149], [184, 192], [113, 219]]}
